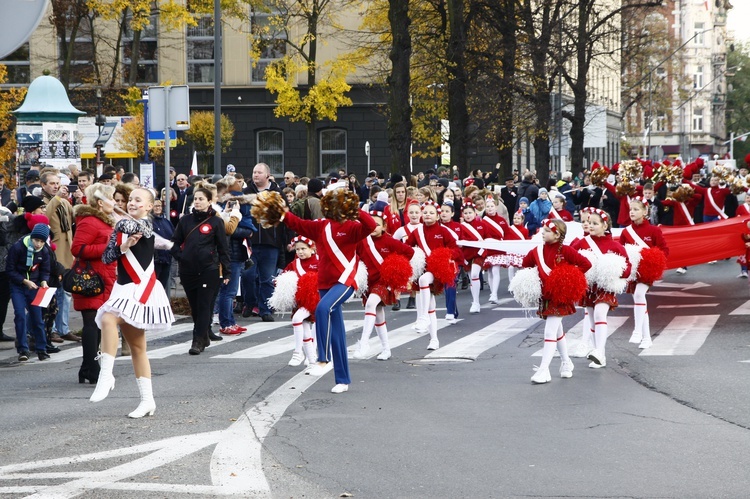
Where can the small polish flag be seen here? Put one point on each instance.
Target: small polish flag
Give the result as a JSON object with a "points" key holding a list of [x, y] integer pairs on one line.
{"points": [[43, 297], [194, 165]]}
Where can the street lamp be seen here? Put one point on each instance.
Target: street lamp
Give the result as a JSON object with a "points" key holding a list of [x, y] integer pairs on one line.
{"points": [[99, 122], [435, 86]]}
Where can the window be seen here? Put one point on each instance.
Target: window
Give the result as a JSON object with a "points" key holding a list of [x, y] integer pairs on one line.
{"points": [[200, 51], [661, 122], [699, 34], [661, 72], [272, 44], [332, 150], [698, 120], [698, 77], [148, 63], [17, 65], [270, 149]]}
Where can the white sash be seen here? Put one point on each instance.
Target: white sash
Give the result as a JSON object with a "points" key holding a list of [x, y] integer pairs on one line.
{"points": [[640, 242], [374, 251], [517, 232], [143, 274], [495, 225], [540, 260], [686, 212], [474, 232], [554, 213], [593, 246], [348, 265], [453, 232], [714, 205], [298, 267], [422, 241]]}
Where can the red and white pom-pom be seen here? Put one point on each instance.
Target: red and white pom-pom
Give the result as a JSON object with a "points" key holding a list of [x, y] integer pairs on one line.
{"points": [[395, 272], [418, 262], [307, 294], [282, 300], [634, 255], [526, 287], [361, 279], [567, 284], [442, 266], [608, 271], [653, 263]]}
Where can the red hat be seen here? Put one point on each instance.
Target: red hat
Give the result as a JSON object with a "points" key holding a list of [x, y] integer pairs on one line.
{"points": [[430, 202]]}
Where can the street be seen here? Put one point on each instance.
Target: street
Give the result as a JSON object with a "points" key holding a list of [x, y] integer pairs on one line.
{"points": [[461, 421]]}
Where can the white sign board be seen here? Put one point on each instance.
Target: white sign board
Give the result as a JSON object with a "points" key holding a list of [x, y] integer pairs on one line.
{"points": [[88, 132], [168, 108]]}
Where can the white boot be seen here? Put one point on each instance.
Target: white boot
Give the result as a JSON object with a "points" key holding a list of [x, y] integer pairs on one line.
{"points": [[382, 331], [147, 405], [106, 382], [308, 345]]}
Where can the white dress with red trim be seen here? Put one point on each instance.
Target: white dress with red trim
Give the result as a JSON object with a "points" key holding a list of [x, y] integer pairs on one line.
{"points": [[513, 233], [137, 296]]}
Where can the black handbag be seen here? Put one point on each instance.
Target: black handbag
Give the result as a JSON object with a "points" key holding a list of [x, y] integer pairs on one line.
{"points": [[82, 280]]}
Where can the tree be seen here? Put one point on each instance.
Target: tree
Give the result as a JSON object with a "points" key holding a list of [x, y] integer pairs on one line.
{"points": [[738, 100], [201, 134], [10, 100], [399, 117]]}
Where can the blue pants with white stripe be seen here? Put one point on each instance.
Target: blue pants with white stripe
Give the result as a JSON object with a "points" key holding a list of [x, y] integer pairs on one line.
{"points": [[330, 330]]}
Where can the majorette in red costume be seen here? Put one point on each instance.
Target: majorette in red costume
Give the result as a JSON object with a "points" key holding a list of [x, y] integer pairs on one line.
{"points": [[473, 229], [495, 227]]}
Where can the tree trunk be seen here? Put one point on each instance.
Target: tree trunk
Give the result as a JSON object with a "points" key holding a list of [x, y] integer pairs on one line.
{"points": [[399, 118], [504, 136], [580, 95], [458, 113], [118, 48], [543, 111], [313, 170], [135, 54]]}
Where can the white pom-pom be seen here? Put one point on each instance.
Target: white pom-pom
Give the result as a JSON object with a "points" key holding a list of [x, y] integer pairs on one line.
{"points": [[634, 255], [282, 300], [590, 273], [418, 262], [608, 270], [361, 279], [526, 287]]}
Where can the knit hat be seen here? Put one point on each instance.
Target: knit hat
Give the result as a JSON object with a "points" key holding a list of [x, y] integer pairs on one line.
{"points": [[231, 168], [378, 206], [314, 186], [444, 182], [32, 220], [31, 203], [382, 197], [299, 189], [523, 200], [40, 231], [543, 190]]}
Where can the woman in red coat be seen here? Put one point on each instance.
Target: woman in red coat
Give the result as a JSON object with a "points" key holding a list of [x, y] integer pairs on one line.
{"points": [[94, 224]]}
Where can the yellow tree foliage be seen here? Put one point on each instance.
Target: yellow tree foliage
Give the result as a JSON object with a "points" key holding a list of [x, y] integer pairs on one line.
{"points": [[10, 100], [172, 15], [201, 134]]}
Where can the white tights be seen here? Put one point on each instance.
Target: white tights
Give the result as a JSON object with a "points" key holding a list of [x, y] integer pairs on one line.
{"points": [[301, 327], [374, 318], [493, 279], [554, 338], [601, 332], [426, 303], [640, 310], [475, 284]]}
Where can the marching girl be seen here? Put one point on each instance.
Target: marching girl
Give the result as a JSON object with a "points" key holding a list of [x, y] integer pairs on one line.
{"points": [[515, 232], [558, 210], [472, 229], [496, 227], [586, 344], [137, 303], [336, 237], [556, 300], [743, 210], [442, 254], [683, 202], [649, 269], [414, 217], [294, 285], [447, 210], [377, 253], [600, 298]]}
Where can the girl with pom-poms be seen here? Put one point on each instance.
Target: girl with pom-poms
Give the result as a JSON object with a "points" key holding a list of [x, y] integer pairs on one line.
{"points": [[414, 221], [606, 278], [515, 232], [648, 250], [297, 288], [560, 270], [388, 272], [472, 229], [442, 254], [447, 211], [336, 237], [496, 227]]}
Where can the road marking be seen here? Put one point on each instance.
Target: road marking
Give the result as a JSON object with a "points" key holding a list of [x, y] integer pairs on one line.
{"points": [[575, 333], [743, 309], [678, 294], [396, 338], [684, 335], [684, 287], [473, 345], [276, 347], [697, 305]]}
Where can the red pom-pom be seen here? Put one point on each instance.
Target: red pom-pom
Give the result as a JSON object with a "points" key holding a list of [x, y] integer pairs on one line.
{"points": [[566, 284], [442, 266], [747, 159], [653, 263], [395, 272], [307, 295]]}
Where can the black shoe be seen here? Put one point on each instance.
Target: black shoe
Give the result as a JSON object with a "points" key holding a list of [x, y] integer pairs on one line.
{"points": [[42, 355], [237, 308], [396, 306], [5, 337], [213, 336], [85, 374], [411, 304], [267, 318], [52, 349], [196, 348], [23, 356], [246, 312]]}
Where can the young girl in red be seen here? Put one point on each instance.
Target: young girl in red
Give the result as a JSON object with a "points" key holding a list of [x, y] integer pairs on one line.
{"points": [[473, 229], [601, 295], [554, 306], [643, 235], [496, 227], [447, 210], [414, 216], [558, 210]]}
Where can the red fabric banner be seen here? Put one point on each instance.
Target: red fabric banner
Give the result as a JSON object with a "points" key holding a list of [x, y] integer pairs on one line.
{"points": [[703, 243]]}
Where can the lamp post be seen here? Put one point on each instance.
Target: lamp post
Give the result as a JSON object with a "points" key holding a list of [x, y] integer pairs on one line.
{"points": [[100, 122]]}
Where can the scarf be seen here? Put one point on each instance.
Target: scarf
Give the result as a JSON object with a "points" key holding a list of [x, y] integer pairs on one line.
{"points": [[30, 250]]}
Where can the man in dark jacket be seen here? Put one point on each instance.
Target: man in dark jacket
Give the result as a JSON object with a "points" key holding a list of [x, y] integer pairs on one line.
{"points": [[509, 195], [528, 189], [267, 244]]}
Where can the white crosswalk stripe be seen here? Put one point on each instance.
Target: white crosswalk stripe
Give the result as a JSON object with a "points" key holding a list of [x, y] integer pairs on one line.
{"points": [[474, 344], [396, 338], [575, 333], [684, 335], [743, 309]]}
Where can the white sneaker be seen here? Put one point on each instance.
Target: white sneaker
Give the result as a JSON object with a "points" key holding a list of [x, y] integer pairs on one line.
{"points": [[475, 308], [450, 318], [541, 376], [385, 354], [340, 388], [743, 275], [636, 337], [297, 359], [594, 365], [317, 370], [421, 325], [434, 345], [566, 369], [712, 262], [215, 319], [580, 351], [362, 351], [596, 357], [493, 298], [645, 343], [681, 270]]}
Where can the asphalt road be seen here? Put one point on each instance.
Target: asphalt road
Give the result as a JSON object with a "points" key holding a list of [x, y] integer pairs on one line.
{"points": [[462, 421]]}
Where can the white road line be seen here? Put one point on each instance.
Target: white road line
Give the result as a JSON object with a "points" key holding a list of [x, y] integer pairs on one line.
{"points": [[684, 335], [575, 333], [396, 338], [697, 305], [473, 345], [276, 347], [743, 309]]}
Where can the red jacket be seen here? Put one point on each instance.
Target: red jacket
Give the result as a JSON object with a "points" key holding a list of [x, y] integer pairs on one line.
{"points": [[512, 235], [495, 226], [93, 229], [308, 265], [683, 216], [719, 196], [650, 234], [436, 236], [606, 244], [454, 228], [555, 254], [623, 218], [345, 236], [385, 245], [471, 235], [392, 220]]}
